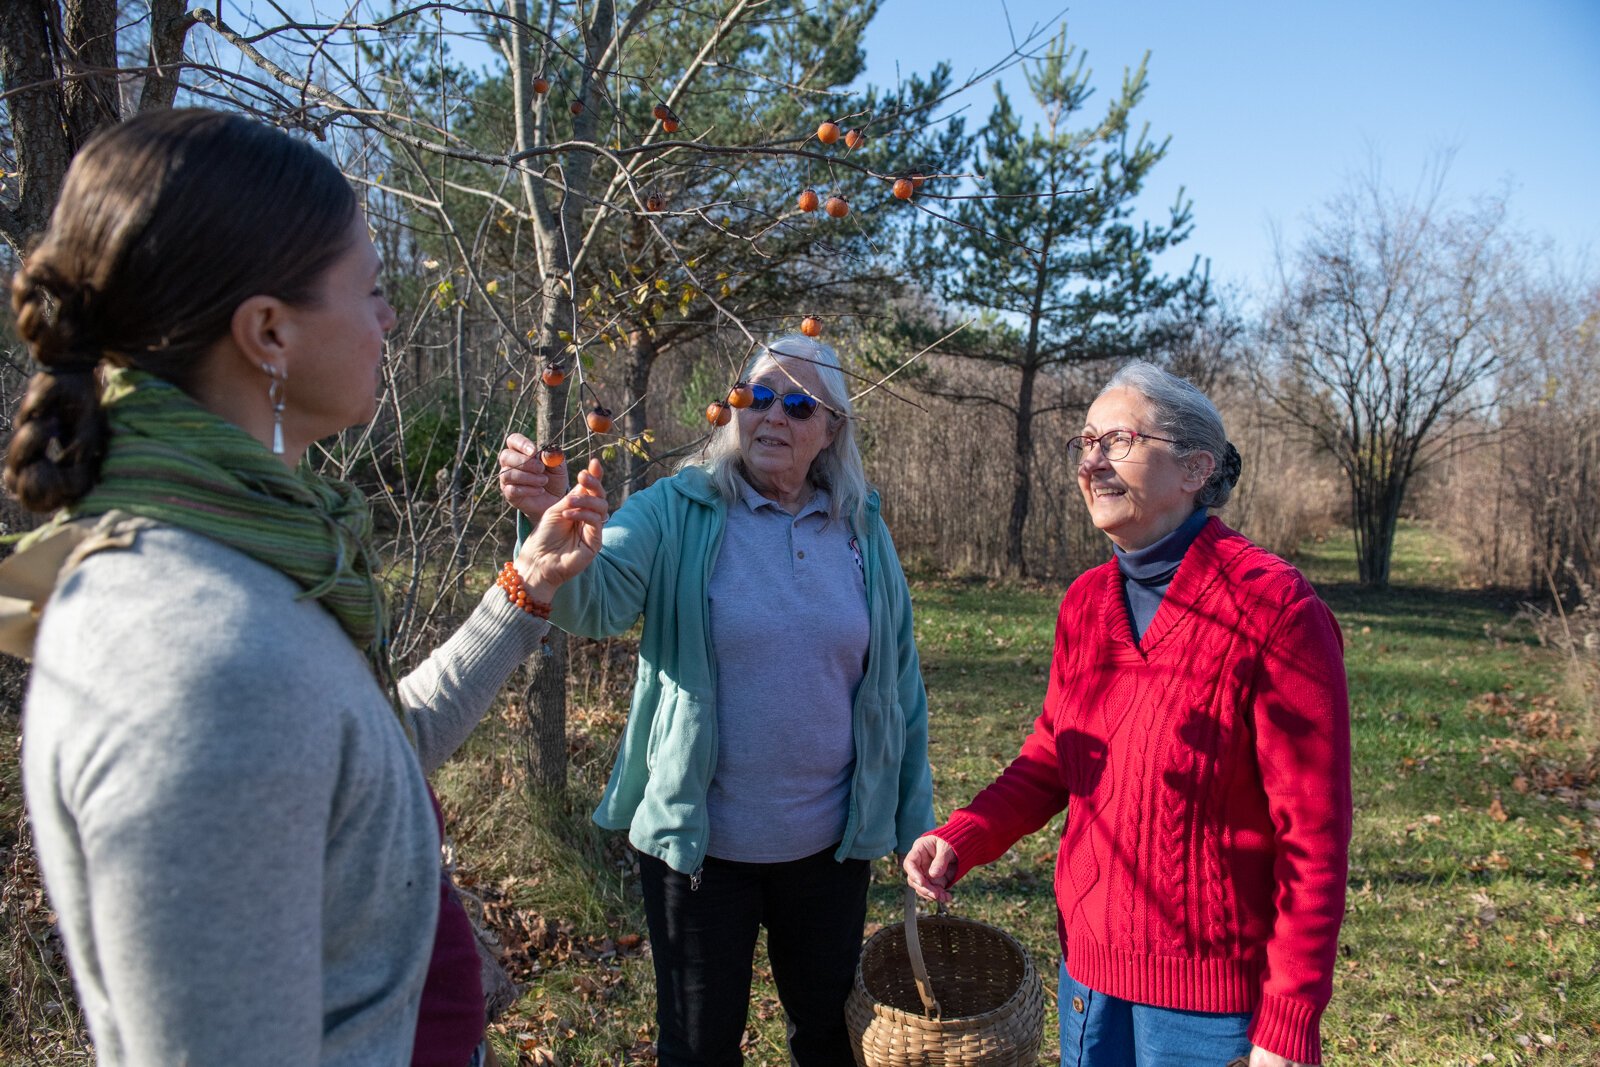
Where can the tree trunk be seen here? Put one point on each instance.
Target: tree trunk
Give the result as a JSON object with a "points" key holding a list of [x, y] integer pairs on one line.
{"points": [[58, 68], [642, 353], [557, 234], [37, 112], [544, 743], [1021, 473]]}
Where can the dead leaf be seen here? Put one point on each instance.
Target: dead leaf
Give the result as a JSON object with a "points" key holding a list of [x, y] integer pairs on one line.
{"points": [[1497, 810]]}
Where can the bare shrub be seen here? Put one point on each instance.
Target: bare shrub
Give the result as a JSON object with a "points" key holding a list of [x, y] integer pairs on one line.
{"points": [[946, 482], [1573, 628], [1288, 492]]}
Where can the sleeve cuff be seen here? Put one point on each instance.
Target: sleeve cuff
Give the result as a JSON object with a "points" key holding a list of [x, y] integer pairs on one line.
{"points": [[1290, 1028], [966, 839]]}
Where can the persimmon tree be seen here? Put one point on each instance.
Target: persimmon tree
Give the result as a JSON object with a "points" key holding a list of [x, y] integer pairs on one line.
{"points": [[1060, 281], [626, 173], [639, 230]]}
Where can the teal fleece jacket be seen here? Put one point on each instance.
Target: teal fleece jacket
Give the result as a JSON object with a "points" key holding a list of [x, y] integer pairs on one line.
{"points": [[656, 561]]}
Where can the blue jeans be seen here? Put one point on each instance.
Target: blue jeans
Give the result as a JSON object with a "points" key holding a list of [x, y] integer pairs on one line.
{"points": [[1105, 1031]]}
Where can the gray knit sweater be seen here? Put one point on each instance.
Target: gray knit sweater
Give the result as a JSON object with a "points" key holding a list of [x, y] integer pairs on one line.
{"points": [[232, 825]]}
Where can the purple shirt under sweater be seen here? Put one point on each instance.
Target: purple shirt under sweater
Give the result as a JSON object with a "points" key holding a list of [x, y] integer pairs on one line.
{"points": [[789, 628]]}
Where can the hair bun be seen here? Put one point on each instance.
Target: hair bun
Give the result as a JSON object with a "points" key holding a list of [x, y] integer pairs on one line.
{"points": [[1231, 466]]}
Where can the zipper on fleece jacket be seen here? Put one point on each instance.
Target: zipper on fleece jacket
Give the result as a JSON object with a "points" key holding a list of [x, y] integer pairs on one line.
{"points": [[852, 822], [711, 654]]}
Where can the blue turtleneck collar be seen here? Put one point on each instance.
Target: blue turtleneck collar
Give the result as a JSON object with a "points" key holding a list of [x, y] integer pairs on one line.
{"points": [[1148, 571]]}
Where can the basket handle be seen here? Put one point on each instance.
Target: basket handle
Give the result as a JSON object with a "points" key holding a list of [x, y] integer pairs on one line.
{"points": [[919, 969]]}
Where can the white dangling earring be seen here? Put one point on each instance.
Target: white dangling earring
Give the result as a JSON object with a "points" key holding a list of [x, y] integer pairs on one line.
{"points": [[275, 398]]}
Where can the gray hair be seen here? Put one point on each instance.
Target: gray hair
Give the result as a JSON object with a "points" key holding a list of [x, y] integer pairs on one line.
{"points": [[837, 468], [1185, 414]]}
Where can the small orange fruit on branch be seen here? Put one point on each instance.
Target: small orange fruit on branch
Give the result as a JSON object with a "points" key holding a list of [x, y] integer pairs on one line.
{"points": [[903, 188], [718, 413], [599, 419], [553, 374], [854, 139], [576, 107], [808, 200], [836, 206], [811, 326], [741, 396], [670, 125], [541, 85], [828, 132], [655, 202], [552, 456], [661, 112]]}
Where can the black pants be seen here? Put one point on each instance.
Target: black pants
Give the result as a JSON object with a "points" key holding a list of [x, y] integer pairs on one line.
{"points": [[703, 942]]}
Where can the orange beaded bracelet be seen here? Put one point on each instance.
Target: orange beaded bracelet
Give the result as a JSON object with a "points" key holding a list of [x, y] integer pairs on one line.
{"points": [[517, 592]]}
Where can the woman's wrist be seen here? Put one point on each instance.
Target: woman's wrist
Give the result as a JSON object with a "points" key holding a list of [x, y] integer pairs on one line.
{"points": [[534, 580], [541, 590]]}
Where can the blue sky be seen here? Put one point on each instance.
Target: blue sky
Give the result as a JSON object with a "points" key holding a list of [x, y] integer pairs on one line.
{"points": [[1272, 106]]}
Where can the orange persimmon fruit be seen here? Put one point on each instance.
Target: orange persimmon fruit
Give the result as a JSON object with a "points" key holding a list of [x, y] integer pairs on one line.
{"points": [[808, 200], [836, 206], [718, 413], [599, 420], [828, 132]]}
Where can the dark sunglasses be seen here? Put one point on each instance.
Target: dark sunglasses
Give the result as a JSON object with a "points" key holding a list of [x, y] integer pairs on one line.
{"points": [[797, 406]]}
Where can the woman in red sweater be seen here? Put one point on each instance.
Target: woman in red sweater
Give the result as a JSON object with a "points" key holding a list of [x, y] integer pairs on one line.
{"points": [[1197, 731]]}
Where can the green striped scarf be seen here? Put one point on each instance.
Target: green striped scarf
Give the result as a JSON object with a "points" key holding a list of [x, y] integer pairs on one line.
{"points": [[175, 462]]}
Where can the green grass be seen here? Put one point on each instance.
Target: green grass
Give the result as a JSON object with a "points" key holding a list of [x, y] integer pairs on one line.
{"points": [[1473, 927]]}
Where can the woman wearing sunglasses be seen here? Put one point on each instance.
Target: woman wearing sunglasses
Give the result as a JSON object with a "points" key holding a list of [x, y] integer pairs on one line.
{"points": [[778, 736], [224, 776], [1197, 732]]}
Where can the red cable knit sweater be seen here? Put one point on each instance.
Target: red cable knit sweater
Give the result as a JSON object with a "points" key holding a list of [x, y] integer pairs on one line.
{"points": [[1206, 777]]}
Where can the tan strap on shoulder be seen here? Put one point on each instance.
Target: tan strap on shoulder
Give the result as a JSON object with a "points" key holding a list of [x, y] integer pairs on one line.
{"points": [[29, 577]]}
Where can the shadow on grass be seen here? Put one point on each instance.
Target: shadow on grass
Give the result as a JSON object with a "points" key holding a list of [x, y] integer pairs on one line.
{"points": [[1435, 602]]}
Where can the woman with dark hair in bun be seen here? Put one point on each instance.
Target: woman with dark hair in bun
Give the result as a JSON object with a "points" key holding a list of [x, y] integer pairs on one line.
{"points": [[224, 777], [1197, 731]]}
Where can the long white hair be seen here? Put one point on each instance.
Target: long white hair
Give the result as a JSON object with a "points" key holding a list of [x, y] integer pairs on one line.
{"points": [[837, 468]]}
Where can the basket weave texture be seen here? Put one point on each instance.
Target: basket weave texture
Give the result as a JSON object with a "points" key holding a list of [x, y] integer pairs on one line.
{"points": [[990, 1007]]}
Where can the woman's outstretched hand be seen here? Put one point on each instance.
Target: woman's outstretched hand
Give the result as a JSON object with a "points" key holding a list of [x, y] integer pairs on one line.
{"points": [[525, 482], [567, 537], [930, 867]]}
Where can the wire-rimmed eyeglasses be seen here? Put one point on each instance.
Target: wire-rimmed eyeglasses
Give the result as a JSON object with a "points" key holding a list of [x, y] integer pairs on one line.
{"points": [[1113, 444]]}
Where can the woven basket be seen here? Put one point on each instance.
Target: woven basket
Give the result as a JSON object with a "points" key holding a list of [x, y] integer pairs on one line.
{"points": [[944, 992]]}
